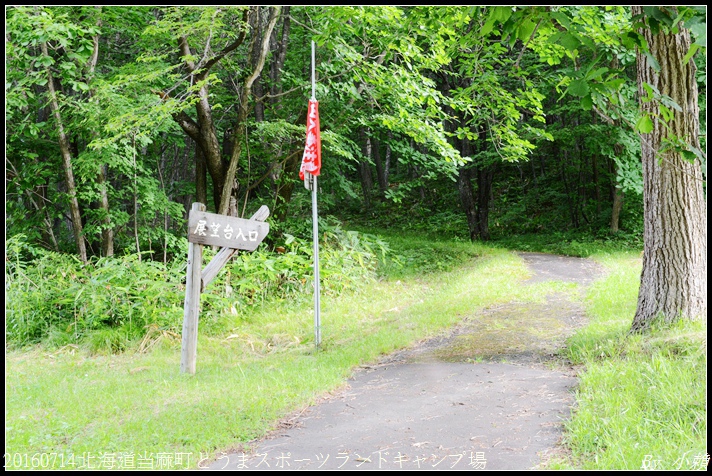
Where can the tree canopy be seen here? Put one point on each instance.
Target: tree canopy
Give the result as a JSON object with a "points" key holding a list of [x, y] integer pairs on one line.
{"points": [[499, 120]]}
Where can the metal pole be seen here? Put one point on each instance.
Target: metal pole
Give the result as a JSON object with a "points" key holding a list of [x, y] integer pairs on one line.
{"points": [[315, 228], [317, 281]]}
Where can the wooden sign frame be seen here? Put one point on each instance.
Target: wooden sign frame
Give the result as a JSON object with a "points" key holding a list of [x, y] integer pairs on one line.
{"points": [[205, 229]]}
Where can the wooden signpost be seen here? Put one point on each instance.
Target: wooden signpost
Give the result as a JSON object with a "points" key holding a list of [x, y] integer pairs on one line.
{"points": [[232, 234]]}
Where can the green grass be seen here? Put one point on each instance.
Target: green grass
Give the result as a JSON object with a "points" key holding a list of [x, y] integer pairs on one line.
{"points": [[261, 367], [639, 396], [641, 401]]}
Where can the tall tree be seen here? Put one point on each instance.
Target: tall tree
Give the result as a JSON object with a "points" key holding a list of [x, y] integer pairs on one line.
{"points": [[674, 276], [673, 282]]}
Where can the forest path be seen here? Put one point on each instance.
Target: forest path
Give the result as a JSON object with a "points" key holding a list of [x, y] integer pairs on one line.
{"points": [[487, 395]]}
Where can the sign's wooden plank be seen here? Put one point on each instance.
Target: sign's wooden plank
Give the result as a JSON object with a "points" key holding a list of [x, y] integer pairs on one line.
{"points": [[219, 260], [225, 231]]}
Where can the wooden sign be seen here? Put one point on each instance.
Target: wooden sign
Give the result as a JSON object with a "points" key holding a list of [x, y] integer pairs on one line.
{"points": [[210, 229], [228, 232]]}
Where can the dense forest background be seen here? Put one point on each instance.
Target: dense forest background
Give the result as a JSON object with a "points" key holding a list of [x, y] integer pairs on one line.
{"points": [[477, 123]]}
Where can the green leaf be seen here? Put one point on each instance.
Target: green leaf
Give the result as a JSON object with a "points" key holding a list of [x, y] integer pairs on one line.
{"points": [[699, 31], [587, 103], [562, 19], [45, 61], [654, 26], [688, 155], [596, 74], [578, 87], [653, 62], [569, 41], [666, 113], [644, 124], [525, 30], [693, 49]]}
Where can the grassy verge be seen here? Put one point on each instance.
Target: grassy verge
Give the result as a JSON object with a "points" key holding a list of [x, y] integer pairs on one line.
{"points": [[641, 399], [641, 402], [69, 409]]}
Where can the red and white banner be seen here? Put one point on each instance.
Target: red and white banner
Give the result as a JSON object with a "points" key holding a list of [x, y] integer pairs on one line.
{"points": [[311, 160]]}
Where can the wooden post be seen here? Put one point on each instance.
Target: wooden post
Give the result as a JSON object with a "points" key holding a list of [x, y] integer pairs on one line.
{"points": [[204, 230], [192, 303]]}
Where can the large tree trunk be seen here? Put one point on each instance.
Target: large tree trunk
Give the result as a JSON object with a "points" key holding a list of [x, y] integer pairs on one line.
{"points": [[673, 282], [280, 56], [285, 187], [201, 185], [67, 164]]}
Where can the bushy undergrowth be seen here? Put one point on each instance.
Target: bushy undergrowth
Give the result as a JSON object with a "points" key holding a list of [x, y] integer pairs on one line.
{"points": [[110, 304]]}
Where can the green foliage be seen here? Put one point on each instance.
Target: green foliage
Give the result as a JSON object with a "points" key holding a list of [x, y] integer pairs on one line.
{"points": [[53, 295], [112, 303]]}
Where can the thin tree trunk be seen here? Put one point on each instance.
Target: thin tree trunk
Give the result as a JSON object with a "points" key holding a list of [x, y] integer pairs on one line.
{"points": [[485, 177], [239, 132], [616, 208], [380, 170], [279, 58], [107, 233], [567, 189], [255, 25], [617, 192], [387, 163], [364, 168], [467, 200], [67, 164], [135, 197], [673, 282]]}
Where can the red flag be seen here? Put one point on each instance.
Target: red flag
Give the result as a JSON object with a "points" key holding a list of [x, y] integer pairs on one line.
{"points": [[311, 160]]}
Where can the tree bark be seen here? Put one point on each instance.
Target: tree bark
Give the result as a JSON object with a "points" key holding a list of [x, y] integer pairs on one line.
{"points": [[673, 282], [256, 27], [467, 200], [240, 129], [364, 168], [617, 193], [279, 57], [67, 164], [380, 175], [107, 231], [201, 186], [286, 187], [485, 177]]}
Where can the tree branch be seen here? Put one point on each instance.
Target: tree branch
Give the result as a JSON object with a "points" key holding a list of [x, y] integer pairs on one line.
{"points": [[232, 46]]}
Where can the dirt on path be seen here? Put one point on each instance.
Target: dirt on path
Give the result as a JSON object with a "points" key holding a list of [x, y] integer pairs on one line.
{"points": [[487, 395]]}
